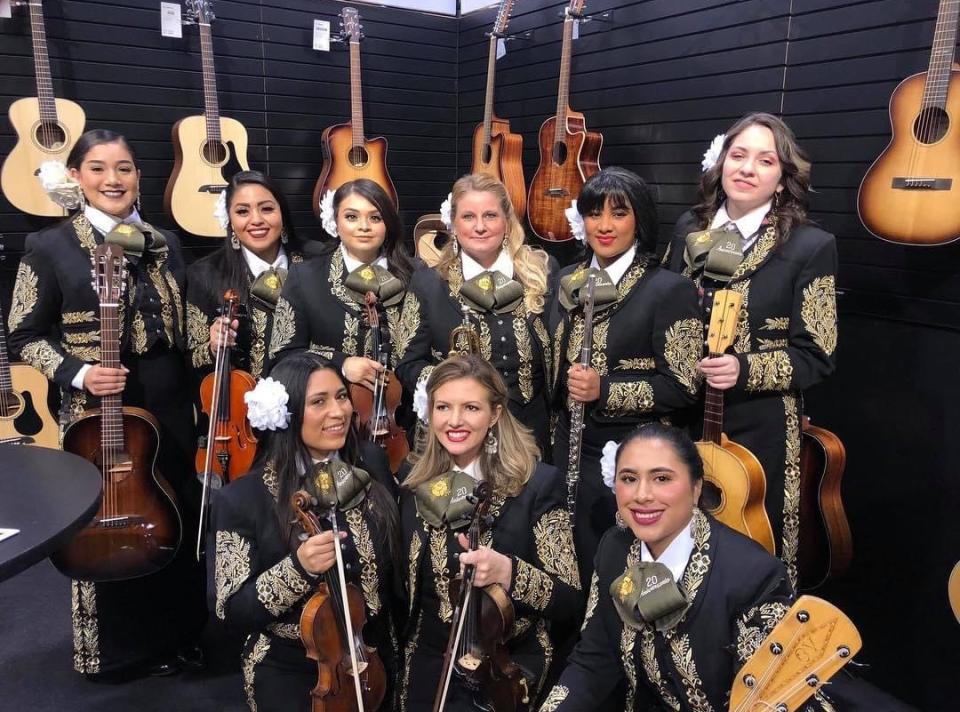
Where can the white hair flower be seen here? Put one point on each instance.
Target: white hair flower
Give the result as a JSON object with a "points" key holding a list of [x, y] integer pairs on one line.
{"points": [[220, 210], [575, 219], [59, 184], [421, 403], [328, 219], [267, 405], [712, 154], [608, 463], [445, 211]]}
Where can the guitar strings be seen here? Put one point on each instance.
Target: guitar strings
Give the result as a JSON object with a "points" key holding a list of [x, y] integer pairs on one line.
{"points": [[791, 689]]}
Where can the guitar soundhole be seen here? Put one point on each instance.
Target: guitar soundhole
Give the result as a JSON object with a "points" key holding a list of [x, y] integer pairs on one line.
{"points": [[931, 125], [559, 153], [214, 152], [486, 153], [11, 404], [50, 135], [359, 157]]}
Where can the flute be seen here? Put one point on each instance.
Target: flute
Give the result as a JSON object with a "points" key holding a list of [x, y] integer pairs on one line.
{"points": [[576, 407]]}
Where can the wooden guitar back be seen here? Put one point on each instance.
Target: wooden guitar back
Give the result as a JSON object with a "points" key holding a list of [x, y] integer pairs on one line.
{"points": [[339, 169], [954, 590], [28, 415], [918, 216], [505, 161], [34, 146]]}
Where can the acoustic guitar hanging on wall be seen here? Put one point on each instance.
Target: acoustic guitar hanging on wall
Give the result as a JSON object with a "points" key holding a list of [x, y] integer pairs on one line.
{"points": [[208, 149], [47, 128], [911, 194]]}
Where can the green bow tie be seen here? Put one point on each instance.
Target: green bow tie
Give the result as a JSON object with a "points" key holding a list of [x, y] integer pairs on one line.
{"points": [[717, 252], [135, 237], [339, 484], [573, 289], [268, 285], [443, 500], [492, 292], [648, 593], [376, 279]]}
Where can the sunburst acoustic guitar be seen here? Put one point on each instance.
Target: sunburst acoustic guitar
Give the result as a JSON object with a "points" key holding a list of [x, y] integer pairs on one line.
{"points": [[46, 128]]}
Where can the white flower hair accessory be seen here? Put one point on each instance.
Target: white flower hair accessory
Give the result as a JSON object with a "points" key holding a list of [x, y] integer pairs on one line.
{"points": [[608, 463], [267, 405], [59, 184], [712, 154], [445, 212], [220, 210], [576, 222], [420, 401], [328, 219]]}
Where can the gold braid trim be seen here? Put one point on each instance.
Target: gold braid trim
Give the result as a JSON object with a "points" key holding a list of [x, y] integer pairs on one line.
{"points": [[636, 364], [592, 600], [769, 371], [407, 326], [257, 654], [43, 357], [791, 490], [819, 312], [682, 655], [198, 336], [630, 397], [77, 317], [284, 327], [86, 632], [408, 652], [416, 544], [231, 568], [554, 541], [24, 295], [281, 586], [369, 581], [258, 346], [438, 559], [531, 586], [522, 334], [557, 695]]}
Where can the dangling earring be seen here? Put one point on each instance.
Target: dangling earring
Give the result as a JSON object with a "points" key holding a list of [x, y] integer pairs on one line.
{"points": [[618, 518], [283, 236], [721, 196], [490, 444], [456, 246], [137, 204], [775, 213], [83, 201], [503, 245], [234, 240]]}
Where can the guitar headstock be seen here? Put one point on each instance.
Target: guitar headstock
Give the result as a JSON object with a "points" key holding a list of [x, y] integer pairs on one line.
{"points": [[109, 273], [350, 19], [575, 8], [503, 17], [812, 641], [724, 315], [202, 10]]}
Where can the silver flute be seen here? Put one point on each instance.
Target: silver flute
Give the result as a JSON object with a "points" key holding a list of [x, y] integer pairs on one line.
{"points": [[576, 407]]}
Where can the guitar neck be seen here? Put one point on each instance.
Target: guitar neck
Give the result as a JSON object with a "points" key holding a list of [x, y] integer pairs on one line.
{"points": [[6, 382], [713, 415], [942, 54], [41, 63], [211, 104], [356, 96], [111, 407], [488, 99], [563, 95]]}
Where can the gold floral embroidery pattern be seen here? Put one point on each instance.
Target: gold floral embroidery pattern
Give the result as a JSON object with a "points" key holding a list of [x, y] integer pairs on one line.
{"points": [[407, 326], [336, 279], [324, 351], [780, 323], [86, 630], [598, 357], [415, 545], [394, 316], [138, 334], [85, 353], [648, 658], [280, 586], [257, 654], [231, 568], [258, 347], [683, 350], [43, 357], [755, 625], [558, 354], [408, 652], [758, 254], [520, 626], [819, 312], [699, 562], [290, 631], [78, 403], [351, 330], [270, 478], [284, 326], [547, 346], [791, 490], [522, 334], [628, 639], [198, 336], [438, 559], [741, 343], [177, 302], [532, 586], [555, 546], [82, 337], [631, 397], [543, 638], [77, 317], [682, 656], [166, 310], [85, 232], [557, 695], [368, 559], [636, 364], [592, 599], [772, 344], [633, 275], [24, 295], [769, 371], [485, 348]]}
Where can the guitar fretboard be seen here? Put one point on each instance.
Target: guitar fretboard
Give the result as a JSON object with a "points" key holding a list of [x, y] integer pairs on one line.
{"points": [[111, 407], [942, 54], [211, 105], [713, 414], [488, 99], [41, 63], [6, 382], [563, 95], [356, 95]]}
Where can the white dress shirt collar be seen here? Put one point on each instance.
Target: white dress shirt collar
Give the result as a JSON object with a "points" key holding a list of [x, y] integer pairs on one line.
{"points": [[335, 455], [471, 268], [258, 266], [473, 469], [619, 266], [352, 264], [105, 223], [748, 224], [677, 553]]}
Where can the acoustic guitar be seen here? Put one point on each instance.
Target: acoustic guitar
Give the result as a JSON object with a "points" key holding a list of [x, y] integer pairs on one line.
{"points": [[347, 154], [208, 150], [954, 591], [25, 418], [47, 128], [137, 530], [911, 194], [809, 645], [496, 151], [569, 154], [731, 469]]}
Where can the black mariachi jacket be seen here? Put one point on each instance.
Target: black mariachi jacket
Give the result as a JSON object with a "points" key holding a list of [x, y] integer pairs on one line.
{"points": [[533, 529], [645, 349], [315, 313], [55, 316], [203, 306], [517, 344]]}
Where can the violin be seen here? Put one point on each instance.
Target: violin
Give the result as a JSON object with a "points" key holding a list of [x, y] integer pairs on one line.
{"points": [[476, 653], [227, 451], [350, 674], [376, 409]]}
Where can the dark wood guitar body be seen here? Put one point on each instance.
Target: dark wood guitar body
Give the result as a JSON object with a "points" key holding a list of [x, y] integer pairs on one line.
{"points": [[503, 161], [563, 170], [119, 545], [343, 162], [826, 546]]}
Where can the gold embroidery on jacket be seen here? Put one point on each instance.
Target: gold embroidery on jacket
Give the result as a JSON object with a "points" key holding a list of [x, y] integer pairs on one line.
{"points": [[769, 371], [336, 279], [84, 353], [198, 336], [592, 599], [394, 315], [558, 354], [598, 358], [408, 652], [557, 695], [682, 656], [554, 541], [683, 350], [636, 364], [772, 344], [543, 638], [351, 330], [86, 630], [415, 545], [284, 327], [258, 341], [779, 323], [166, 309], [819, 312], [257, 654], [290, 631], [138, 334], [791, 490], [407, 326], [24, 295], [77, 317], [369, 581], [522, 334], [629, 397], [758, 254], [81, 337], [741, 342], [85, 233], [324, 351], [531, 586], [280, 586], [755, 625], [231, 568], [546, 346], [177, 301], [43, 357], [438, 559], [270, 478]]}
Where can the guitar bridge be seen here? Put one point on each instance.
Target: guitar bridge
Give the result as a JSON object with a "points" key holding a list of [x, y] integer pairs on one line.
{"points": [[120, 522], [215, 189], [922, 183], [556, 193]]}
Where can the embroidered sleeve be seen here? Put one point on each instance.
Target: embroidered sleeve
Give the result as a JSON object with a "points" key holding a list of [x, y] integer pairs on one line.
{"points": [[408, 324], [198, 336], [231, 568], [769, 371], [281, 586], [531, 586], [413, 342], [592, 599], [284, 327]]}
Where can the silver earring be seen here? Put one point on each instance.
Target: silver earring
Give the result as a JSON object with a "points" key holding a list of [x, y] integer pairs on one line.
{"points": [[283, 236], [490, 444], [618, 518], [456, 247], [138, 203], [503, 245], [234, 240]]}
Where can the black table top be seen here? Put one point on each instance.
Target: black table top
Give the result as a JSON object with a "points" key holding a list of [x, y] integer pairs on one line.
{"points": [[49, 495]]}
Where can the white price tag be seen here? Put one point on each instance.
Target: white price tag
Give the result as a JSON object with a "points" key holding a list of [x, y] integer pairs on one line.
{"points": [[576, 28], [321, 35], [170, 24], [5, 8], [501, 47]]}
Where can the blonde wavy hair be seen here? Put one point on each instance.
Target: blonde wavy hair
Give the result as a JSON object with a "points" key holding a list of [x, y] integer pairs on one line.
{"points": [[529, 263], [508, 469]]}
